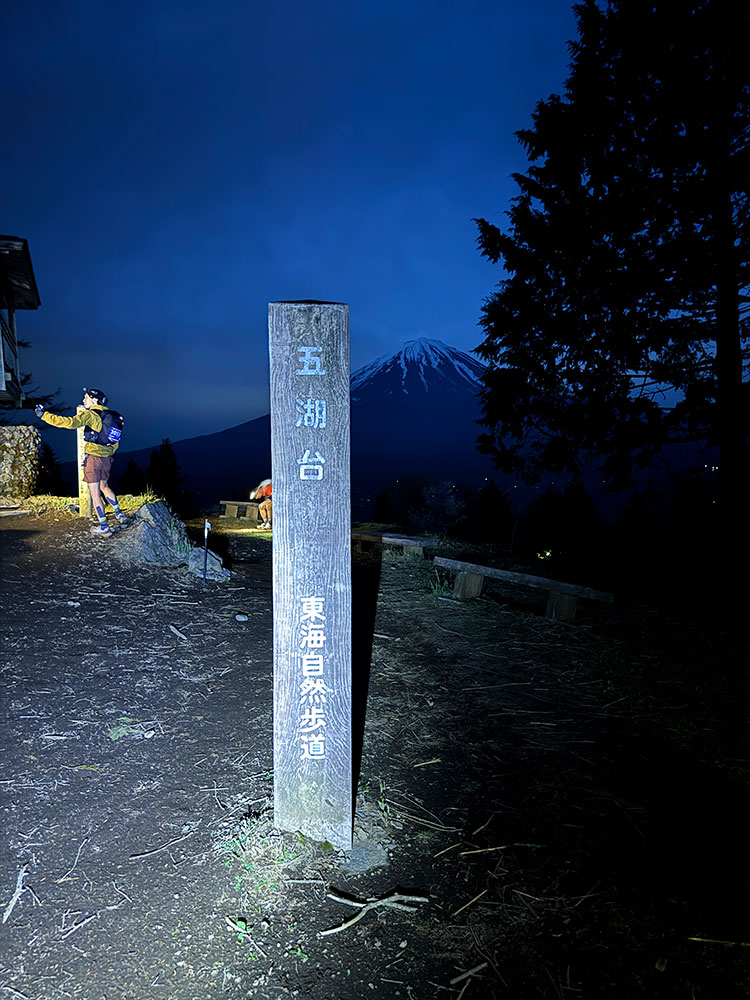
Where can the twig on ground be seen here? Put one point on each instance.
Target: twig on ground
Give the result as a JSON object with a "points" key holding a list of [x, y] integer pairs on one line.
{"points": [[446, 849], [178, 633], [18, 892], [504, 847], [240, 926], [461, 908], [15, 992], [63, 877], [156, 850], [396, 900], [118, 889], [471, 972], [78, 926]]}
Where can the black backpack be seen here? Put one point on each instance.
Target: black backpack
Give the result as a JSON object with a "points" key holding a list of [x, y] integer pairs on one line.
{"points": [[112, 425]]}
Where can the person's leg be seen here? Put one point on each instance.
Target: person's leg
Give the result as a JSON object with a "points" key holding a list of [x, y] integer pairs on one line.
{"points": [[109, 494], [98, 504], [95, 474]]}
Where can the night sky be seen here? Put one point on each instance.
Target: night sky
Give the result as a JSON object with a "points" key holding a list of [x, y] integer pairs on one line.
{"points": [[177, 165]]}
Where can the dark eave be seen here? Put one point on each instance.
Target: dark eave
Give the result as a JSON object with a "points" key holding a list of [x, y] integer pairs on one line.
{"points": [[17, 282]]}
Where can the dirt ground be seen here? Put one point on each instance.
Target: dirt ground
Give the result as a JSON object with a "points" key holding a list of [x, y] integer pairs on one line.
{"points": [[563, 804]]}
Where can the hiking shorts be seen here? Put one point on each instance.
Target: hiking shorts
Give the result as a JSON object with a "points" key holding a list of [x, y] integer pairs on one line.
{"points": [[96, 468]]}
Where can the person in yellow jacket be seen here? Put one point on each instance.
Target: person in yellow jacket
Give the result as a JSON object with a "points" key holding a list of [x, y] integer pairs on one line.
{"points": [[101, 439]]}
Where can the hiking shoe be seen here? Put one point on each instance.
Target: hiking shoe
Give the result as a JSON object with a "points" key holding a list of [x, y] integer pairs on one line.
{"points": [[101, 529], [122, 518]]}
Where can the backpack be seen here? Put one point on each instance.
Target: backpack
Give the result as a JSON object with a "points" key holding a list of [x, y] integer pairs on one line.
{"points": [[112, 425]]}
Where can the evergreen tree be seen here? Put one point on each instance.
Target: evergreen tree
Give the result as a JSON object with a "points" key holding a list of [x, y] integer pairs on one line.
{"points": [[628, 252], [132, 479], [33, 396], [493, 514], [164, 477], [50, 479], [564, 528]]}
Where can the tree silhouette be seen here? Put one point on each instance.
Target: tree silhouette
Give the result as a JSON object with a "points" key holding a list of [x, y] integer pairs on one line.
{"points": [[164, 477], [622, 323], [33, 395], [132, 479], [50, 479]]}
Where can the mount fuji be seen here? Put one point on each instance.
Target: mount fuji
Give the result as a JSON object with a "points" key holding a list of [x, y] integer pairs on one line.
{"points": [[420, 367], [413, 413]]}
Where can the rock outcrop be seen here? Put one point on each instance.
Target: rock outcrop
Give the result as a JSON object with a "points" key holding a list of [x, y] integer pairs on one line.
{"points": [[19, 460], [156, 536]]}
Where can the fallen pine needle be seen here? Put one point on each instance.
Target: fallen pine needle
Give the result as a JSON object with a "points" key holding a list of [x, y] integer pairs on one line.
{"points": [[446, 849], [456, 912], [738, 944], [424, 763]]}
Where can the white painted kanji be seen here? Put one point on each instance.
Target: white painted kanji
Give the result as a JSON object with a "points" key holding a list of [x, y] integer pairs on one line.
{"points": [[311, 466], [312, 413], [312, 665], [310, 361], [313, 746], [313, 637], [312, 718], [312, 609], [313, 691]]}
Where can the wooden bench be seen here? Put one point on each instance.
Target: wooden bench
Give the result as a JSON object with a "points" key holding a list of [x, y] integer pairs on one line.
{"points": [[232, 508], [411, 543], [563, 597]]}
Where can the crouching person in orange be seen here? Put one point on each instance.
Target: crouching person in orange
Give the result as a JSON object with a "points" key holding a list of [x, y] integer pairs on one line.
{"points": [[101, 436], [265, 507]]}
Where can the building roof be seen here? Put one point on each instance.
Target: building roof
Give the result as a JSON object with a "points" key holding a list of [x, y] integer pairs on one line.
{"points": [[17, 282]]}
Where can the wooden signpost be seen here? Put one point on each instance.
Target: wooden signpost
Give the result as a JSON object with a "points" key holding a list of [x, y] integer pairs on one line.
{"points": [[309, 352], [84, 497]]}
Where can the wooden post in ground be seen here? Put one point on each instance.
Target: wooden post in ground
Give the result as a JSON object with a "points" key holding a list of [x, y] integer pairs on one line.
{"points": [[309, 353], [84, 497]]}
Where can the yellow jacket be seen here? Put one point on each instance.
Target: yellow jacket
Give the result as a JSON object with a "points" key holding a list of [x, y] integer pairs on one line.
{"points": [[86, 418]]}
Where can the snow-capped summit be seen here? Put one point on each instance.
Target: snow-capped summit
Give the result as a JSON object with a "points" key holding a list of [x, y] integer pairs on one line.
{"points": [[421, 366]]}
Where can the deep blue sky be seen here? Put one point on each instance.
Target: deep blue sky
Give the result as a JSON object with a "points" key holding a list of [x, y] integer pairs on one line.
{"points": [[176, 165]]}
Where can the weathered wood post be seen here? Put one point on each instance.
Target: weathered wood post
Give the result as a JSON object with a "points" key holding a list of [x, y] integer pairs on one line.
{"points": [[84, 497], [309, 352]]}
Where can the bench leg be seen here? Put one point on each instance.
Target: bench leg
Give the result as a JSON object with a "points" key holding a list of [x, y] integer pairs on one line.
{"points": [[561, 606], [230, 510], [413, 550], [467, 585]]}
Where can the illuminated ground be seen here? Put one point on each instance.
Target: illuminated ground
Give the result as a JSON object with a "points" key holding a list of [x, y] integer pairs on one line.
{"points": [[568, 797]]}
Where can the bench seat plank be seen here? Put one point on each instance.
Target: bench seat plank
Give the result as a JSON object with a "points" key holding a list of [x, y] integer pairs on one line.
{"points": [[542, 583], [416, 544], [232, 508]]}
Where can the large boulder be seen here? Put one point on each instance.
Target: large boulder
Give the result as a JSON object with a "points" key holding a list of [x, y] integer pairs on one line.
{"points": [[155, 536]]}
